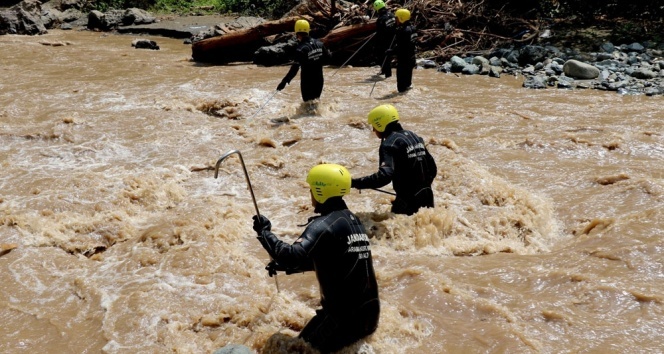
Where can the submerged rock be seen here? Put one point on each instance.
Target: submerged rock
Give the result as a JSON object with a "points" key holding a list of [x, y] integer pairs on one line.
{"points": [[234, 349]]}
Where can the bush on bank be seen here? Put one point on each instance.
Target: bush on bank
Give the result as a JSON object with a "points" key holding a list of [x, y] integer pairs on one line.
{"points": [[263, 8], [585, 11]]}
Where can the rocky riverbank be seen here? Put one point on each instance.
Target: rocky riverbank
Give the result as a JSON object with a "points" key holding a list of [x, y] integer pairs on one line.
{"points": [[626, 68], [633, 68]]}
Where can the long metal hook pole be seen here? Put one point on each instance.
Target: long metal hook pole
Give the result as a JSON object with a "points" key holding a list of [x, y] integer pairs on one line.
{"points": [[261, 108], [246, 175], [253, 198], [383, 191], [351, 57]]}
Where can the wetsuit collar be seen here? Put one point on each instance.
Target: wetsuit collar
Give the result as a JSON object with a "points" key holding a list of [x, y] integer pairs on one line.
{"points": [[330, 205], [390, 128]]}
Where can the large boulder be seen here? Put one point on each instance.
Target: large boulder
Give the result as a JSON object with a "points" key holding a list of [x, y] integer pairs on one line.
{"points": [[532, 54], [74, 4], [275, 54], [535, 82], [643, 73], [112, 19], [458, 64], [135, 16], [22, 18], [580, 70]]}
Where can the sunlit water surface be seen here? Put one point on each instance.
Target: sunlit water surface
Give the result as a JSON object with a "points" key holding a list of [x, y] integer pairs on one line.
{"points": [[547, 235]]}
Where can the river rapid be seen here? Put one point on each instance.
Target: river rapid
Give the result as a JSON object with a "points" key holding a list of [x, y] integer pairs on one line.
{"points": [[547, 235]]}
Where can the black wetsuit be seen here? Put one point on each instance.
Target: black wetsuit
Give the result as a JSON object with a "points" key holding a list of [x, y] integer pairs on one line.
{"points": [[334, 245], [405, 49], [385, 31], [311, 55], [404, 161]]}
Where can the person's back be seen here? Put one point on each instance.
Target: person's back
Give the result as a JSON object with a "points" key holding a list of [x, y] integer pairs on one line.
{"points": [[405, 50], [334, 245], [342, 260], [311, 54], [405, 39], [385, 30], [414, 168], [385, 36], [403, 159]]}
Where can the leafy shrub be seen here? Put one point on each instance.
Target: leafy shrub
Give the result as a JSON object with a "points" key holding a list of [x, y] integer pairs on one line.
{"points": [[263, 8], [104, 5]]}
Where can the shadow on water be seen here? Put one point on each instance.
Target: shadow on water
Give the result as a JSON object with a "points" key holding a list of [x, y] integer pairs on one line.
{"points": [[391, 95]]}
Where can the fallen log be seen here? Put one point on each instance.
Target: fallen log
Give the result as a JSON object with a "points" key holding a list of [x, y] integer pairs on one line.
{"points": [[344, 41], [241, 45], [332, 39], [341, 41]]}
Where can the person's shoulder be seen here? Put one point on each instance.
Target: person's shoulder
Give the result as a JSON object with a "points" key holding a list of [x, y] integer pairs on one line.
{"points": [[391, 138], [409, 132], [400, 135]]}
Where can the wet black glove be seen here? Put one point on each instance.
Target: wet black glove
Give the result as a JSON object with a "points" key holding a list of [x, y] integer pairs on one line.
{"points": [[272, 268], [281, 85], [261, 223], [389, 52]]}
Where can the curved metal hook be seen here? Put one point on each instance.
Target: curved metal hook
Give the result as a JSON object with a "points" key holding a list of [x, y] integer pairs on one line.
{"points": [[246, 175]]}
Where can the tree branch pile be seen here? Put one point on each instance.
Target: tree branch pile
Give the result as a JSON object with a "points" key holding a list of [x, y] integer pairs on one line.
{"points": [[454, 27], [445, 28]]}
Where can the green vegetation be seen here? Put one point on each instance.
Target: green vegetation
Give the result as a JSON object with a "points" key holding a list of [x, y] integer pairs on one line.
{"points": [[630, 19], [583, 10], [263, 8], [104, 5]]}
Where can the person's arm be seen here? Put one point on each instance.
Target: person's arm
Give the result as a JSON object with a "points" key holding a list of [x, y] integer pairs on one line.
{"points": [[299, 56], [380, 178], [289, 76], [291, 258]]}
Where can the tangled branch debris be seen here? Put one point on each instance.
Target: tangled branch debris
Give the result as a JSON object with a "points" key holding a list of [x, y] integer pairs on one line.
{"points": [[445, 28]]}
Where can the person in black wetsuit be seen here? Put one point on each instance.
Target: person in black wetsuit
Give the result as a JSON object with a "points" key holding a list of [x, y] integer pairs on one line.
{"points": [[404, 49], [310, 54], [385, 36], [335, 245], [403, 160]]}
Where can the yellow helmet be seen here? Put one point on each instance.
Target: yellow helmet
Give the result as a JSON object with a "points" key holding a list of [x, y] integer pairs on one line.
{"points": [[327, 181], [378, 4], [403, 15], [382, 115], [302, 26]]}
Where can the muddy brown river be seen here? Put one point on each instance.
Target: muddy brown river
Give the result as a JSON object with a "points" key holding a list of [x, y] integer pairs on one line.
{"points": [[115, 237]]}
